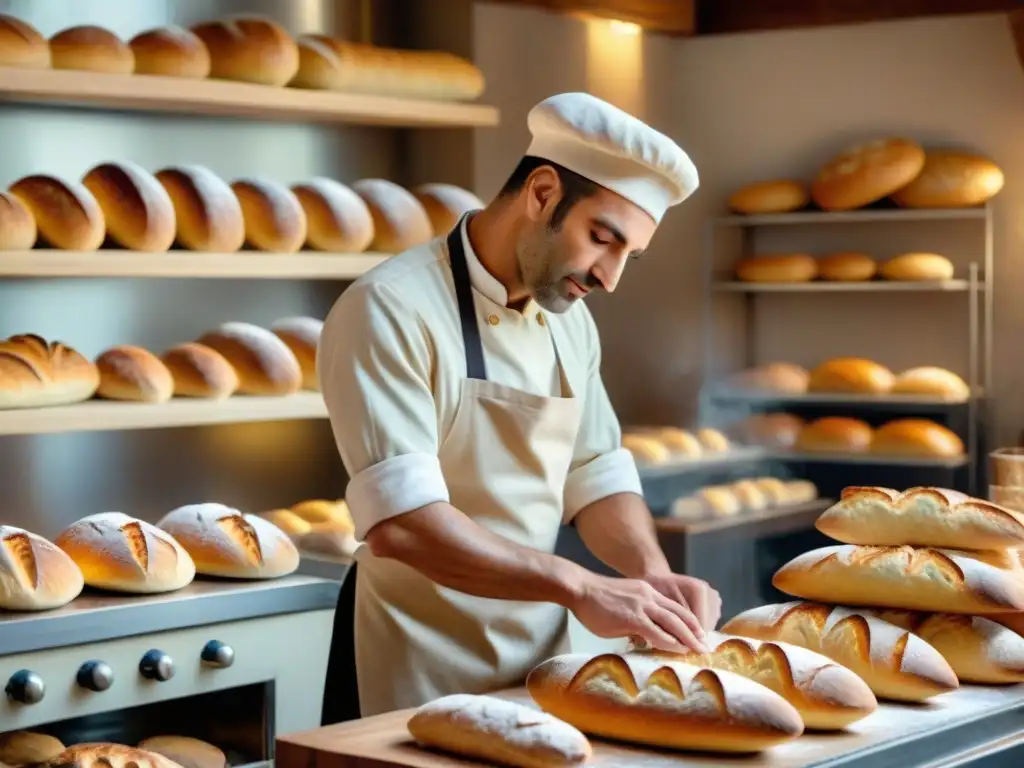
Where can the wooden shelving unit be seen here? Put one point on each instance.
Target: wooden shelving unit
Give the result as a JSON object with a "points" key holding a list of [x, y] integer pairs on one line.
{"points": [[862, 216], [821, 286], [222, 98], [304, 265], [105, 415]]}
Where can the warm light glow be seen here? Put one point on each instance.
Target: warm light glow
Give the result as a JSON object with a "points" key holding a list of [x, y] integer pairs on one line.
{"points": [[625, 28], [615, 63]]}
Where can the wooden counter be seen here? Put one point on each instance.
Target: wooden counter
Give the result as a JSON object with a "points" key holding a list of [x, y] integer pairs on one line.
{"points": [[968, 722]]}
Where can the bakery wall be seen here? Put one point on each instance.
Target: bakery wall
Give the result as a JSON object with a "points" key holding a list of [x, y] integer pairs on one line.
{"points": [[755, 106]]}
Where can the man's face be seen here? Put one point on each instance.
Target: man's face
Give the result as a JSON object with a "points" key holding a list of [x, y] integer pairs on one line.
{"points": [[588, 249]]}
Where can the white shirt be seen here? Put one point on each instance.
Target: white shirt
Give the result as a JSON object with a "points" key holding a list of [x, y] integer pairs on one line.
{"points": [[391, 363]]}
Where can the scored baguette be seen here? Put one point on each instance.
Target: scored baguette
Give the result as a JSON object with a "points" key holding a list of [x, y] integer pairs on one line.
{"points": [[926, 517], [662, 703], [828, 696], [896, 664], [498, 731], [916, 579]]}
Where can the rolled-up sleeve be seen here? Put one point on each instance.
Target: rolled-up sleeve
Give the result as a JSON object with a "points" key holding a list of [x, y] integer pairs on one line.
{"points": [[374, 364], [601, 467]]}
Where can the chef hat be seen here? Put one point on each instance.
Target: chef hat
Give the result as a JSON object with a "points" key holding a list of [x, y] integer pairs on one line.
{"points": [[612, 148]]}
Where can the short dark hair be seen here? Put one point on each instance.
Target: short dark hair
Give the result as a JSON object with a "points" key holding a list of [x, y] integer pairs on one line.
{"points": [[574, 186]]}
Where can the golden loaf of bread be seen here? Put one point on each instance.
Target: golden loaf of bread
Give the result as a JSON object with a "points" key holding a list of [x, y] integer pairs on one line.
{"points": [[275, 221], [121, 554], [917, 267], [136, 208], [866, 173], [399, 220], [662, 703], [896, 664], [678, 441], [847, 267], [445, 204], [931, 381], [66, 213], [132, 373], [827, 695], [302, 335], [17, 224], [199, 371], [249, 49], [770, 430], [224, 542], [101, 755], [264, 364], [93, 49], [776, 196], [288, 522], [207, 213], [773, 377], [22, 46], [35, 575], [952, 178], [924, 517], [710, 501], [34, 373], [338, 220], [916, 437], [712, 440], [185, 751], [646, 448], [777, 268], [911, 578], [323, 514], [835, 434], [498, 731], [171, 52], [853, 375], [28, 748]]}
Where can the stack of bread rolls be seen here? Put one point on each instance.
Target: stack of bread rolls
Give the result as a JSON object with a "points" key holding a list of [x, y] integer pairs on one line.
{"points": [[894, 169], [24, 748], [652, 446], [845, 267], [317, 526], [743, 496], [851, 376], [931, 586]]}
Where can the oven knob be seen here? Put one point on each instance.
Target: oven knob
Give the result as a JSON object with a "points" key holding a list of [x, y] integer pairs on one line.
{"points": [[157, 665], [25, 687], [95, 675], [218, 654]]}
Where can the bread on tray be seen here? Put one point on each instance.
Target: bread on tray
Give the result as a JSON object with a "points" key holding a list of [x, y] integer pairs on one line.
{"points": [[772, 377], [850, 375], [835, 434], [777, 268], [865, 173], [931, 381], [916, 437], [952, 178], [103, 755], [185, 751], [773, 196]]}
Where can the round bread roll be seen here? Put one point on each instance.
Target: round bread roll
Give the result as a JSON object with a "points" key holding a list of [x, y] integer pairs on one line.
{"points": [[288, 522], [778, 268], [274, 219], [302, 335], [774, 490], [199, 371], [720, 500], [338, 220], [771, 430], [679, 441], [35, 575], [916, 437], [185, 751], [773, 377], [851, 375], [399, 219], [208, 214], [324, 514], [835, 434], [847, 267], [867, 173], [224, 542], [445, 204], [250, 49], [93, 49], [801, 491], [67, 215], [265, 365], [171, 52], [952, 179], [779, 196], [28, 748], [750, 497], [918, 266], [931, 381], [712, 440], [646, 449], [133, 373], [137, 210], [22, 46], [328, 542], [122, 554], [17, 225]]}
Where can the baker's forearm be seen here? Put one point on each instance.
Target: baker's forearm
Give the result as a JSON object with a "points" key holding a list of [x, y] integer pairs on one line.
{"points": [[619, 530], [450, 549]]}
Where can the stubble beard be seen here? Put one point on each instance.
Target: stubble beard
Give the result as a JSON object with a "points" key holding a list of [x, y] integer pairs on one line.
{"points": [[539, 258]]}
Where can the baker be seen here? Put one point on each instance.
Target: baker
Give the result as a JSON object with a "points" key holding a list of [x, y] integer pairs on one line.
{"points": [[463, 384]]}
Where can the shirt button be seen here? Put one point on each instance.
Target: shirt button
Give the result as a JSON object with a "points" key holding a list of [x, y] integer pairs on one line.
{"points": [[540, 319], [493, 319]]}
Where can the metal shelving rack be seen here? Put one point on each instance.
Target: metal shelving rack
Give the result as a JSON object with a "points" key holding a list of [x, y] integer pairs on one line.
{"points": [[977, 285]]}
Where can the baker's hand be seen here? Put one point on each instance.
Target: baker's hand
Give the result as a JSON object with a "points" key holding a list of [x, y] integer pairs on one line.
{"points": [[612, 607], [694, 594]]}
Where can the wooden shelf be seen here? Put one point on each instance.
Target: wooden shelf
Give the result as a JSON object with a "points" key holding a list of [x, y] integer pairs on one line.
{"points": [[681, 466], [757, 520], [865, 215], [867, 286], [188, 264], [223, 98], [108, 415], [942, 462], [835, 398]]}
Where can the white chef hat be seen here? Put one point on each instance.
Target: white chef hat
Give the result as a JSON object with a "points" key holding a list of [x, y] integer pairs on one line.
{"points": [[614, 149]]}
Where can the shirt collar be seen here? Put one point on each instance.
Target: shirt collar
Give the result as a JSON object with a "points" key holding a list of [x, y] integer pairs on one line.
{"points": [[481, 279]]}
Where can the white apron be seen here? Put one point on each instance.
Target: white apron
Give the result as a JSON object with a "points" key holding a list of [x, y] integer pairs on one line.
{"points": [[505, 461]]}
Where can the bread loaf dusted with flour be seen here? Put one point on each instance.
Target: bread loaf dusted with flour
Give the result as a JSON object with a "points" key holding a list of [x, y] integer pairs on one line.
{"points": [[662, 703], [865, 173], [274, 219], [498, 731], [399, 219], [895, 663], [445, 204], [35, 373], [122, 554], [99, 755], [926, 517], [828, 696], [67, 214], [199, 371], [302, 335], [132, 373], [338, 220], [978, 649], [35, 575], [207, 213], [264, 364], [911, 578], [136, 208], [224, 542]]}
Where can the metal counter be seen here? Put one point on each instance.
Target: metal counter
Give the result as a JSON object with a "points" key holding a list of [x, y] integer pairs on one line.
{"points": [[96, 616]]}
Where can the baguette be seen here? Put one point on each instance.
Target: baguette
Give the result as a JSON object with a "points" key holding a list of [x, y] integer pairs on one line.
{"points": [[495, 730], [978, 649], [896, 664], [918, 579], [661, 703], [827, 696], [924, 517]]}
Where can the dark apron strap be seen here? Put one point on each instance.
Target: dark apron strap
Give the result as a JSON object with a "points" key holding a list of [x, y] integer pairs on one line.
{"points": [[341, 688], [475, 367]]}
